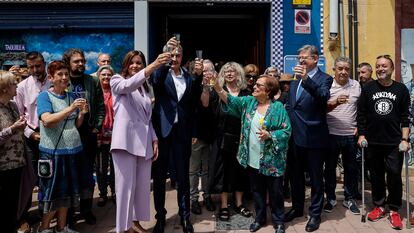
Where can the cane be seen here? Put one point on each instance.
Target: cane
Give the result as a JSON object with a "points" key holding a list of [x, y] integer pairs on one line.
{"points": [[407, 186], [364, 144]]}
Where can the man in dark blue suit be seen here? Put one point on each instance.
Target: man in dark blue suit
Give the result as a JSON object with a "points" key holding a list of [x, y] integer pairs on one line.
{"points": [[306, 106], [176, 95]]}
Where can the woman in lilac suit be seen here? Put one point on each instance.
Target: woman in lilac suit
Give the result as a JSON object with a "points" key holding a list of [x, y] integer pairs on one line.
{"points": [[134, 143]]}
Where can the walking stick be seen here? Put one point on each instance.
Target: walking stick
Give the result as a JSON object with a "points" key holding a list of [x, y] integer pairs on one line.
{"points": [[407, 189], [364, 144]]}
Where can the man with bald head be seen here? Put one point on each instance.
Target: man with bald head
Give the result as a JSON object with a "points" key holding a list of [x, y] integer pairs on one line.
{"points": [[103, 59], [383, 124]]}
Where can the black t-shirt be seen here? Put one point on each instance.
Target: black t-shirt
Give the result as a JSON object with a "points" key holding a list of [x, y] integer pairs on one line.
{"points": [[382, 112]]}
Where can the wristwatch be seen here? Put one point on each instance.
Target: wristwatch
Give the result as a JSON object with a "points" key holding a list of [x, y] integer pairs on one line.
{"points": [[405, 139]]}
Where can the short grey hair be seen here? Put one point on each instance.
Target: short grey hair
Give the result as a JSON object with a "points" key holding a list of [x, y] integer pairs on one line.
{"points": [[241, 80], [311, 48], [105, 67], [342, 59]]}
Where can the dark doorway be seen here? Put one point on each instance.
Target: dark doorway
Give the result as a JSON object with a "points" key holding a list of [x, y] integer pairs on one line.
{"points": [[225, 32]]}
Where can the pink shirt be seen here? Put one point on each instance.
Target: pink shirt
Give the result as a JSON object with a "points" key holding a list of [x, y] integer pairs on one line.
{"points": [[26, 100], [342, 119]]}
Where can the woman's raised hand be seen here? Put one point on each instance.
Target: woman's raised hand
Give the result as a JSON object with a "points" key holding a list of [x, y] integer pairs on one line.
{"points": [[20, 124], [163, 58], [198, 66]]}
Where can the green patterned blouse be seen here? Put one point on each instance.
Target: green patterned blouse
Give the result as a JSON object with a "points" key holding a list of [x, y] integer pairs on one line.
{"points": [[277, 123]]}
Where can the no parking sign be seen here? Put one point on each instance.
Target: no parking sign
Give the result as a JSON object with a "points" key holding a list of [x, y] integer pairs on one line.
{"points": [[302, 21]]}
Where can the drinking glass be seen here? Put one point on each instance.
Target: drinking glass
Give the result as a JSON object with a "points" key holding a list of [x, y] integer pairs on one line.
{"points": [[199, 54], [177, 36], [80, 94]]}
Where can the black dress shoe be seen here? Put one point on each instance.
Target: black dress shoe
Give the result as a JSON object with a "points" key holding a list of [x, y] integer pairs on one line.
{"points": [[255, 226], [279, 228], [89, 218], [187, 226], [195, 208], [159, 226], [209, 204], [292, 214], [313, 224]]}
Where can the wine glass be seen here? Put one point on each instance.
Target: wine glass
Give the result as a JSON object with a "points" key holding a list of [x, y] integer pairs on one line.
{"points": [[199, 54], [177, 36], [80, 94]]}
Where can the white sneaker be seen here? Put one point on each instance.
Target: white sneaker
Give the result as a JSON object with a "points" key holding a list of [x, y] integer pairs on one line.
{"points": [[66, 230]]}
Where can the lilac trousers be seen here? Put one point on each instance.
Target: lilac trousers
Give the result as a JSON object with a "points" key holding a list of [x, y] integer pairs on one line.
{"points": [[132, 186]]}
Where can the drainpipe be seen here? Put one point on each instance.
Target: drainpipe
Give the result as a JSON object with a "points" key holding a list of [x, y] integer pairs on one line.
{"points": [[355, 39], [333, 24], [341, 27], [350, 37]]}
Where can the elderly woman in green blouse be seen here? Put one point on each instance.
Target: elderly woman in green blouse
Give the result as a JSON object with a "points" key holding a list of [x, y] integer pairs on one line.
{"points": [[263, 145]]}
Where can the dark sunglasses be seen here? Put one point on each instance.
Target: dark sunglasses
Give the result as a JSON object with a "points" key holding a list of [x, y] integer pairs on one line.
{"points": [[251, 76], [388, 57]]}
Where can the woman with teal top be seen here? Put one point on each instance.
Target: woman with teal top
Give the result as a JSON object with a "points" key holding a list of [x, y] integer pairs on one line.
{"points": [[263, 146], [60, 144]]}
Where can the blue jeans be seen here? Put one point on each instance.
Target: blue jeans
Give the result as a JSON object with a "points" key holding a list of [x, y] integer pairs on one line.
{"points": [[347, 147]]}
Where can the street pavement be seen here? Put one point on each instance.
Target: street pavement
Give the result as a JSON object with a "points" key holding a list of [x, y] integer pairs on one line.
{"points": [[340, 220]]}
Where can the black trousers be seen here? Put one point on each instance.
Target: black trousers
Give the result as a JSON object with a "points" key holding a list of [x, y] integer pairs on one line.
{"points": [[310, 159], [85, 170], [9, 195], [175, 152], [103, 160], [345, 145], [385, 164], [260, 186]]}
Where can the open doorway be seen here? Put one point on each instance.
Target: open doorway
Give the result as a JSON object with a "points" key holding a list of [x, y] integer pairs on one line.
{"points": [[224, 31]]}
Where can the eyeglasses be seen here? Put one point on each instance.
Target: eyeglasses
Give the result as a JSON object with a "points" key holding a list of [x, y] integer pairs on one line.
{"points": [[260, 85], [386, 56], [248, 76], [303, 57]]}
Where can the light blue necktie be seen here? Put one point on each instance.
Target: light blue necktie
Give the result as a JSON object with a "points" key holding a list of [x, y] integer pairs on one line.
{"points": [[299, 90]]}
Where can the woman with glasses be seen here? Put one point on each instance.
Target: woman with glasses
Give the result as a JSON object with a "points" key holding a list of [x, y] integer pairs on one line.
{"points": [[12, 158], [251, 72], [104, 157], [265, 132], [134, 144], [228, 176]]}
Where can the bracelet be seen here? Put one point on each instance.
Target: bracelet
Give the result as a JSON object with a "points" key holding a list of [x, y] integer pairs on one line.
{"points": [[221, 91]]}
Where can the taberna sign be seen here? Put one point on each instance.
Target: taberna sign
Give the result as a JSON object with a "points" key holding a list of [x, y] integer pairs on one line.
{"points": [[14, 47]]}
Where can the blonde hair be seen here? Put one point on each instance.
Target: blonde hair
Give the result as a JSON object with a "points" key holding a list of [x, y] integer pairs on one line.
{"points": [[241, 82], [7, 79], [251, 68]]}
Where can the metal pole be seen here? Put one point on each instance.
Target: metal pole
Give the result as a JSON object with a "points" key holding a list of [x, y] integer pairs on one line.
{"points": [[341, 27], [355, 61], [350, 37]]}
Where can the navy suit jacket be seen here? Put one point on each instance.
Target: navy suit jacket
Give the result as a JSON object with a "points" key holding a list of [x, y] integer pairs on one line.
{"points": [[167, 104], [308, 113]]}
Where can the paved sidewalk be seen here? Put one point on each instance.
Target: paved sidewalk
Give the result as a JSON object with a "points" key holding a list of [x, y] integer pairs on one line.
{"points": [[340, 220]]}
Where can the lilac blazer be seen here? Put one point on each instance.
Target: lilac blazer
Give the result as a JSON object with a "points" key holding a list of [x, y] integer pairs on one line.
{"points": [[132, 129]]}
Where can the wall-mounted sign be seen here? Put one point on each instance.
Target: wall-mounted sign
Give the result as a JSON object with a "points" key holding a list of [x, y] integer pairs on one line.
{"points": [[302, 21], [302, 4], [14, 47]]}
